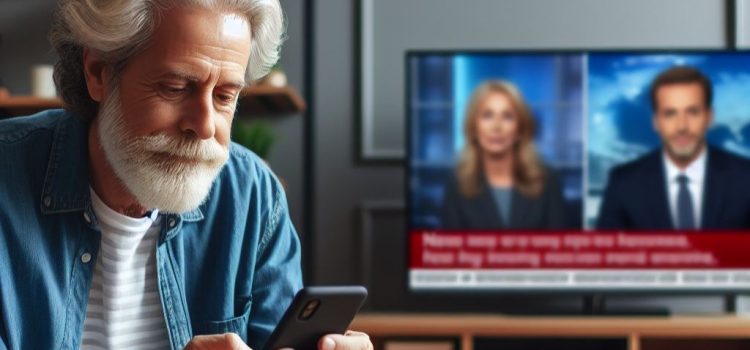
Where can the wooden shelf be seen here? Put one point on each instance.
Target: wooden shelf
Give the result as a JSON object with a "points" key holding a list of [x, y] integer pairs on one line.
{"points": [[269, 100], [25, 105], [639, 332], [255, 100]]}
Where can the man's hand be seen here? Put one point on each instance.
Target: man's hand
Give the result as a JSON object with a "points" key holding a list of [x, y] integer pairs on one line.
{"points": [[351, 341], [226, 341], [230, 341]]}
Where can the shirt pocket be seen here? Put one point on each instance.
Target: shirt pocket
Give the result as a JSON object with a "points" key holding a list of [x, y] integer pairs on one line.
{"points": [[238, 324]]}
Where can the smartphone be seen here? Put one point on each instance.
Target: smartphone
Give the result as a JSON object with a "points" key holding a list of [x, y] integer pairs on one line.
{"points": [[315, 312]]}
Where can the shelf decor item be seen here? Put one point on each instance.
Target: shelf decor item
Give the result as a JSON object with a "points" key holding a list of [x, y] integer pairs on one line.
{"points": [[42, 81], [276, 77]]}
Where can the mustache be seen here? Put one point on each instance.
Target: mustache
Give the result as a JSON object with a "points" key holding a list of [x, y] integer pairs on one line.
{"points": [[181, 147], [684, 133], [184, 146]]}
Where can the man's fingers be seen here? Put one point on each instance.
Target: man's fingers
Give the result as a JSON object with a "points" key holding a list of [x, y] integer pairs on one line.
{"points": [[351, 341], [226, 341]]}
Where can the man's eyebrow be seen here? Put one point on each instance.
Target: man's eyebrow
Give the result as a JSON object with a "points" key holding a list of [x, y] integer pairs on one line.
{"points": [[232, 84], [179, 75]]}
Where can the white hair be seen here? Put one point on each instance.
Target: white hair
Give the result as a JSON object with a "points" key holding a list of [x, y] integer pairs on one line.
{"points": [[118, 29]]}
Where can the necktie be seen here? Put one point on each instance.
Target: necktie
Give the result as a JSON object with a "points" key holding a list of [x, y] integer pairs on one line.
{"points": [[685, 213]]}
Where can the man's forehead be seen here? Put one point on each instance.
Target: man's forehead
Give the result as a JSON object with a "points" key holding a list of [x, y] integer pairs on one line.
{"points": [[216, 21], [234, 25], [202, 26], [193, 42], [680, 91]]}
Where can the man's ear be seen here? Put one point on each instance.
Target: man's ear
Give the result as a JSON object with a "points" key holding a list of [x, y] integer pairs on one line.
{"points": [[97, 74]]}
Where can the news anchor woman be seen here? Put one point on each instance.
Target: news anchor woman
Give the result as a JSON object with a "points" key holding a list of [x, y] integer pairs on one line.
{"points": [[500, 181]]}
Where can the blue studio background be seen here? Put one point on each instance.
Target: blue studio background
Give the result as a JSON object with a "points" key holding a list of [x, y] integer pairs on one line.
{"points": [[440, 87], [619, 113]]}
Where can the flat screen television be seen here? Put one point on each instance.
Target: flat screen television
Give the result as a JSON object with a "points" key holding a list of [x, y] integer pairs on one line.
{"points": [[575, 171]]}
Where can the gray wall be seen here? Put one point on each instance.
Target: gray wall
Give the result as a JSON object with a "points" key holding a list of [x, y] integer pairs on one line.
{"points": [[287, 156], [23, 25], [516, 24], [361, 204]]}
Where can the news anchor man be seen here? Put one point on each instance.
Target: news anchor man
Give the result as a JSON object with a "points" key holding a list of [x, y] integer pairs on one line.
{"points": [[686, 184], [500, 182]]}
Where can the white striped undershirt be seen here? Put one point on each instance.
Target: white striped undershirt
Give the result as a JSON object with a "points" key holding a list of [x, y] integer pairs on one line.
{"points": [[124, 308]]}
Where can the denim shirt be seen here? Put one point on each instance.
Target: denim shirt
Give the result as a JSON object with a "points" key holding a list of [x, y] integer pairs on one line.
{"points": [[232, 265]]}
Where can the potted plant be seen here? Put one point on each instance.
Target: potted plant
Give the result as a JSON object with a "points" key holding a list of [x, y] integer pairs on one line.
{"points": [[256, 136]]}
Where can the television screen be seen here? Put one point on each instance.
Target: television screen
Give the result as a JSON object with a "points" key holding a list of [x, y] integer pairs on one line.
{"points": [[578, 170]]}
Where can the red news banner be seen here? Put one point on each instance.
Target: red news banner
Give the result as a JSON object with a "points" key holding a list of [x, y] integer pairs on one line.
{"points": [[579, 250]]}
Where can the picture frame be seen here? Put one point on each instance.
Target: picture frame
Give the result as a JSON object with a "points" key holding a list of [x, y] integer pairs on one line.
{"points": [[741, 10], [369, 148]]}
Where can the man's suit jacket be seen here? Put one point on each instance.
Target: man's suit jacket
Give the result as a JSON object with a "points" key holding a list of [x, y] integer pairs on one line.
{"points": [[545, 211], [636, 197]]}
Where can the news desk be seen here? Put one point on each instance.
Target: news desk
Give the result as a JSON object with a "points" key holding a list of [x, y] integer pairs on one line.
{"points": [[480, 332]]}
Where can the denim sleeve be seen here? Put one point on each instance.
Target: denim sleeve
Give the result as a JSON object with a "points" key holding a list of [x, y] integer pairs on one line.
{"points": [[278, 274]]}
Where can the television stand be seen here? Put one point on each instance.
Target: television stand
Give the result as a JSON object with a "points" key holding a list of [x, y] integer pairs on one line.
{"points": [[485, 332], [595, 305]]}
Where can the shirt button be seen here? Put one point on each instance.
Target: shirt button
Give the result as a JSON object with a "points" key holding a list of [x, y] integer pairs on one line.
{"points": [[171, 222], [85, 258], [87, 217]]}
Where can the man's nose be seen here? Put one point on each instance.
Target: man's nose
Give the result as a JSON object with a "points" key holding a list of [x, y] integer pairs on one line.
{"points": [[198, 119], [682, 121]]}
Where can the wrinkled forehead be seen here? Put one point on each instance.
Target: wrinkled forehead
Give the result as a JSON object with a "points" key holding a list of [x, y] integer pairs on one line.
{"points": [[201, 40]]}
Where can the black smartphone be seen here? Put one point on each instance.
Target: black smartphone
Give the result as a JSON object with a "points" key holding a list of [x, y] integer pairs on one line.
{"points": [[315, 312]]}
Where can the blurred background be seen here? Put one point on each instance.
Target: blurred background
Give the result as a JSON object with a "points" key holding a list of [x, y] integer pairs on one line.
{"points": [[341, 150]]}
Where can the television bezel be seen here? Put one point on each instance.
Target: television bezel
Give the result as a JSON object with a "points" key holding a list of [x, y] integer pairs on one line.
{"points": [[546, 291]]}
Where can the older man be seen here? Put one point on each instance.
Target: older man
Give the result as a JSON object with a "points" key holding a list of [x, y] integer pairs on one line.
{"points": [[130, 220]]}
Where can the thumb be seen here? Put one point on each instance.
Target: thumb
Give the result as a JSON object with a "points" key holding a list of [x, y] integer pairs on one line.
{"points": [[226, 341], [351, 341]]}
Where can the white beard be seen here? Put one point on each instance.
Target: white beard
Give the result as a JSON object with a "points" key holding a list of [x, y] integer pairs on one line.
{"points": [[172, 174]]}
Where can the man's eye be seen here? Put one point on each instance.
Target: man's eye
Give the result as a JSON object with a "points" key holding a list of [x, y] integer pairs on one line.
{"points": [[173, 90], [226, 98]]}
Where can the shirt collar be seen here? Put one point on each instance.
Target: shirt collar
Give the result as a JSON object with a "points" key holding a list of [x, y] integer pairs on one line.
{"points": [[694, 171], [66, 182]]}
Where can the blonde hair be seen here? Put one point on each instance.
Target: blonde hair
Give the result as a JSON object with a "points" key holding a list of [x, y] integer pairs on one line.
{"points": [[528, 173]]}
